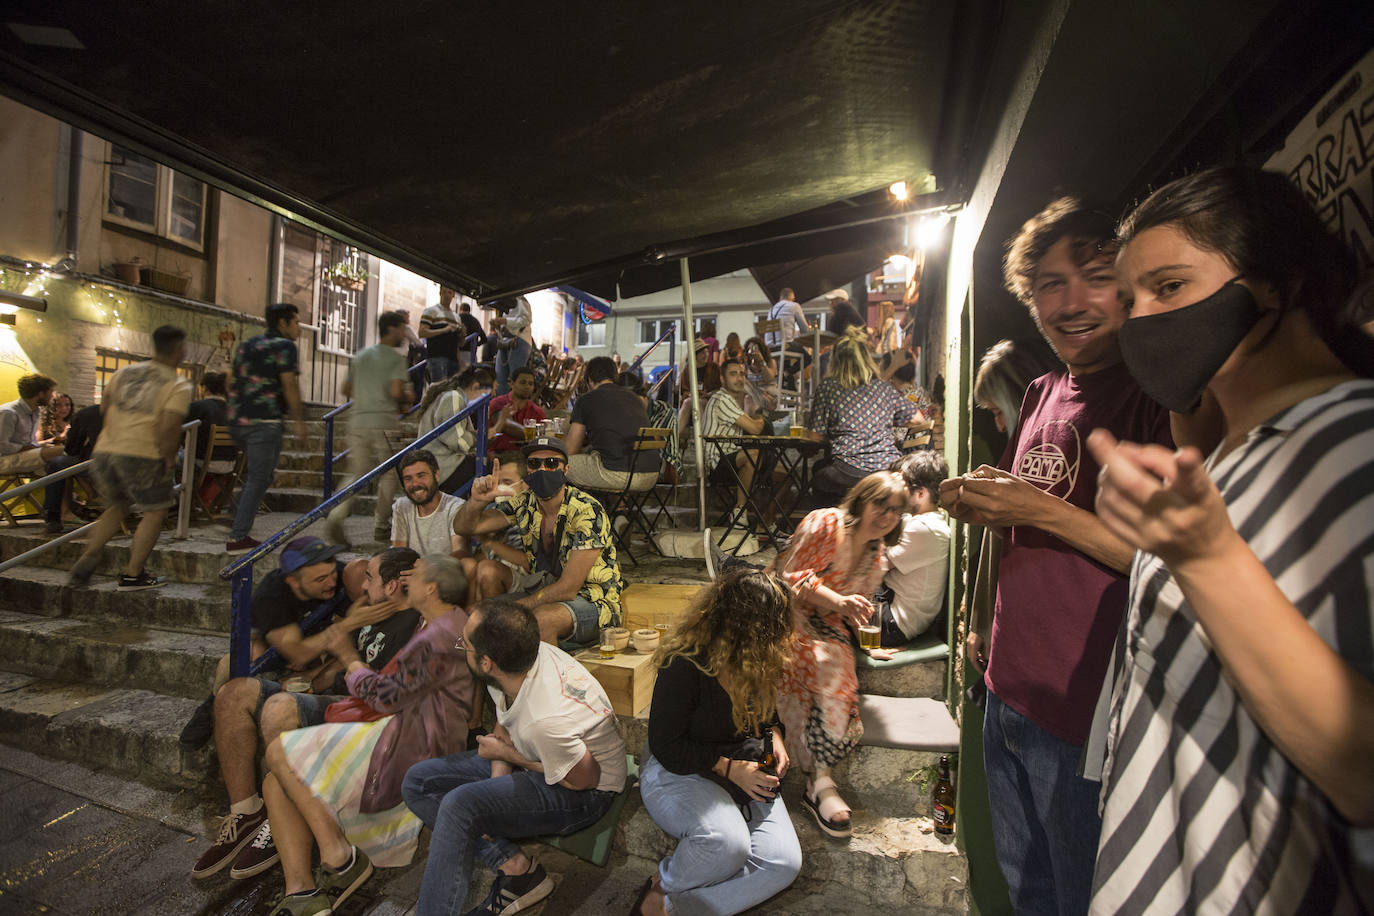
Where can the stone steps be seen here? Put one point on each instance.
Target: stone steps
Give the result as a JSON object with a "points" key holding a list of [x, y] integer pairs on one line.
{"points": [[130, 732], [172, 662], [41, 590]]}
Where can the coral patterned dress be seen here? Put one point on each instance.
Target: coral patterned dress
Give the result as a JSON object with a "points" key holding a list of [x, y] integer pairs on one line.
{"points": [[819, 699]]}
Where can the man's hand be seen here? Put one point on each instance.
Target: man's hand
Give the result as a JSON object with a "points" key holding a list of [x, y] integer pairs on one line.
{"points": [[999, 499], [976, 650], [338, 643], [488, 489], [495, 748], [362, 614], [1160, 501]]}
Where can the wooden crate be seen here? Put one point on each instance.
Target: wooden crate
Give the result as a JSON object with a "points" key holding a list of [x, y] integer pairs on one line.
{"points": [[628, 678], [640, 602]]}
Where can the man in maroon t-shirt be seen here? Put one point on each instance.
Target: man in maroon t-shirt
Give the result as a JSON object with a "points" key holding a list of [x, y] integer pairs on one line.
{"points": [[1061, 588], [510, 411]]}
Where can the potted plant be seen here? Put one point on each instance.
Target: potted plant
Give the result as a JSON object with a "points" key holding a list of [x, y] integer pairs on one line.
{"points": [[344, 274], [128, 271]]}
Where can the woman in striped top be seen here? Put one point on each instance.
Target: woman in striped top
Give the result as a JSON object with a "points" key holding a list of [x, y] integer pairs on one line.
{"points": [[1238, 774]]}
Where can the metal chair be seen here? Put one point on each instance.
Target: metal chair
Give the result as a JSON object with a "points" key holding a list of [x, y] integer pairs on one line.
{"points": [[222, 466], [788, 398], [649, 441], [24, 507]]}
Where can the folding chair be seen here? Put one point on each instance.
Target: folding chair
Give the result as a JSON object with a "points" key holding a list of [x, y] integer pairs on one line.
{"points": [[24, 507], [222, 467], [649, 441], [918, 438]]}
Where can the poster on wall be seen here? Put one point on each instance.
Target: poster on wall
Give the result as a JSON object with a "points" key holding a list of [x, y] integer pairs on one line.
{"points": [[1330, 157]]}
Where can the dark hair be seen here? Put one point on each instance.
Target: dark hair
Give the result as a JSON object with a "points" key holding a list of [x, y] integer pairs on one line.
{"points": [[514, 457], [630, 380], [31, 386], [216, 383], [446, 574], [278, 312], [415, 456], [464, 306], [388, 320], [476, 375], [732, 361], [1265, 228], [393, 561], [924, 468], [601, 369], [507, 634], [874, 489], [166, 339], [523, 370], [1091, 231], [906, 372]]}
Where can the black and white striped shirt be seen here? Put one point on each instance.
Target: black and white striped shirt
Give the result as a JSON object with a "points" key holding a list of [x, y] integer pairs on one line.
{"points": [[1201, 812]]}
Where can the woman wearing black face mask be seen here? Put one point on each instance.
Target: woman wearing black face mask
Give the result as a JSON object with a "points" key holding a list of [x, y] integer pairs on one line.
{"points": [[1241, 726]]}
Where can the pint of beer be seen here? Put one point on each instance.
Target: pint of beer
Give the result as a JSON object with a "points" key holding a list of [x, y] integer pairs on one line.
{"points": [[870, 636], [531, 429], [607, 645]]}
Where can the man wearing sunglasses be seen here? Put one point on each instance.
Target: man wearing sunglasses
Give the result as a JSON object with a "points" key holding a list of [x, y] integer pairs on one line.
{"points": [[567, 539]]}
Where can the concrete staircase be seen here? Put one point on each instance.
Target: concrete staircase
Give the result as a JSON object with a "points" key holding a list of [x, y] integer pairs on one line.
{"points": [[107, 680]]}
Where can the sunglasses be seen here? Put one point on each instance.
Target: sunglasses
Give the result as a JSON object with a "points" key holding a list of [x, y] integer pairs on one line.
{"points": [[551, 464]]}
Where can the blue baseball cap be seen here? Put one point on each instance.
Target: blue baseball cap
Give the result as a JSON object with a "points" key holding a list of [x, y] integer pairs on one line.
{"points": [[307, 551]]}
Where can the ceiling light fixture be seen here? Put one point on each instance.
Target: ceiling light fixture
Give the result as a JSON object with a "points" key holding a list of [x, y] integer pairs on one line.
{"points": [[898, 190]]}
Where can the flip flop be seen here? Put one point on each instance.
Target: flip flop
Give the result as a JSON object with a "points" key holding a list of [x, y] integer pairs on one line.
{"points": [[828, 825]]}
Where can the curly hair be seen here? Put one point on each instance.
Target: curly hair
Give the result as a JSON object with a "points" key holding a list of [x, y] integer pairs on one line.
{"points": [[1092, 232], [739, 631]]}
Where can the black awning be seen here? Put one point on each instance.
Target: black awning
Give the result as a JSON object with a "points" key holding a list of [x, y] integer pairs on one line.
{"points": [[487, 145]]}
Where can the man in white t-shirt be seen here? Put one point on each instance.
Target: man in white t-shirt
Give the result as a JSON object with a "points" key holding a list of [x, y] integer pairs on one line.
{"points": [[919, 562], [143, 407], [423, 519], [554, 764]]}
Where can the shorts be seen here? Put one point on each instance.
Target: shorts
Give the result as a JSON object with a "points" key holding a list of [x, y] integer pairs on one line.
{"points": [[142, 484], [309, 706], [586, 616]]}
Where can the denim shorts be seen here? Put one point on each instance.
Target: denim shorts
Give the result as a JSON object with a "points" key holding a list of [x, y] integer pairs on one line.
{"points": [[586, 621], [309, 706]]}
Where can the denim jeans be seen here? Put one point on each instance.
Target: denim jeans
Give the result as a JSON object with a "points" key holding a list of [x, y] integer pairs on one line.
{"points": [[1045, 823], [723, 863], [53, 493], [440, 368], [261, 444], [458, 799], [507, 361]]}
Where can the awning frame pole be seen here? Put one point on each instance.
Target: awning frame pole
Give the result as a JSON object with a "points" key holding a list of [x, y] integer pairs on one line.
{"points": [[689, 332]]}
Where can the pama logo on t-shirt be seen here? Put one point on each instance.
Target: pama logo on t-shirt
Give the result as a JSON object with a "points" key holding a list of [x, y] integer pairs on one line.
{"points": [[1051, 456]]}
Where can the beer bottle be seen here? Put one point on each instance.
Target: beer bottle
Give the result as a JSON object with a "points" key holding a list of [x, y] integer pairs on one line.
{"points": [[942, 800], [768, 761]]}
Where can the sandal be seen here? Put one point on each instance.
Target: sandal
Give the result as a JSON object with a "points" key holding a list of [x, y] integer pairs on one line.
{"points": [[638, 908], [823, 800]]}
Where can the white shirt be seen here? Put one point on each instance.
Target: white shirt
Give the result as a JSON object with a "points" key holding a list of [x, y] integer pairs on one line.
{"points": [[919, 563], [559, 715], [430, 534]]}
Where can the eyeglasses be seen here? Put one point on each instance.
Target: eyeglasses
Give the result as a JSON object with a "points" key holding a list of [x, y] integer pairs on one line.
{"points": [[462, 644], [551, 463]]}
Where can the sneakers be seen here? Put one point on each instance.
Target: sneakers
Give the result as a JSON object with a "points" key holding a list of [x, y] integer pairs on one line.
{"points": [[52, 524], [258, 856], [311, 904], [513, 893], [242, 545], [235, 832], [341, 884], [140, 581], [200, 726]]}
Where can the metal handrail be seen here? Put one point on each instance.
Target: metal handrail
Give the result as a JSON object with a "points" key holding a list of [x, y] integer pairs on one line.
{"points": [[190, 428], [331, 459], [240, 571], [670, 333]]}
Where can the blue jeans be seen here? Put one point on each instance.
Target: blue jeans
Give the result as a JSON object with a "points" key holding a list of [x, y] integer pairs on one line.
{"points": [[723, 864], [440, 368], [1045, 823], [458, 799], [261, 444], [507, 361]]}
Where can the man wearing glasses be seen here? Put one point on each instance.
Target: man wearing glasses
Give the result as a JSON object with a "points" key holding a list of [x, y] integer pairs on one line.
{"points": [[567, 539]]}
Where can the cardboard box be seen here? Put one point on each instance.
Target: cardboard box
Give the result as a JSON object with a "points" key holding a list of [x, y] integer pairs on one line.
{"points": [[628, 678], [640, 602]]}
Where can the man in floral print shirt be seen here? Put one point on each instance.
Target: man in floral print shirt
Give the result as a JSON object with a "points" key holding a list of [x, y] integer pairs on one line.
{"points": [[264, 388]]}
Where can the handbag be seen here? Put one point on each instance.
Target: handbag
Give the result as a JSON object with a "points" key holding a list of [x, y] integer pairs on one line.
{"points": [[356, 709]]}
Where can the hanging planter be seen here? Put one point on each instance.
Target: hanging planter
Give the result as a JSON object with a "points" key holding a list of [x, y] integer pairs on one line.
{"points": [[345, 276]]}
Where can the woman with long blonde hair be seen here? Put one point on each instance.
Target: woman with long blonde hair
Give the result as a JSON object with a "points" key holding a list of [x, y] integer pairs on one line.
{"points": [[708, 778], [856, 411]]}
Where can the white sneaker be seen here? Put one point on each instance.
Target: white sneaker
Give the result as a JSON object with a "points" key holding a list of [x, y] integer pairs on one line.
{"points": [[708, 552]]}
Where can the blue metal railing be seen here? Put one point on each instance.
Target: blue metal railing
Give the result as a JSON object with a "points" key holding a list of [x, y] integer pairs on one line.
{"points": [[240, 571]]}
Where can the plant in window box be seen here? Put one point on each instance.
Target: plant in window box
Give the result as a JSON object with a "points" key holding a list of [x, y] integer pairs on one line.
{"points": [[128, 271], [346, 275]]}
